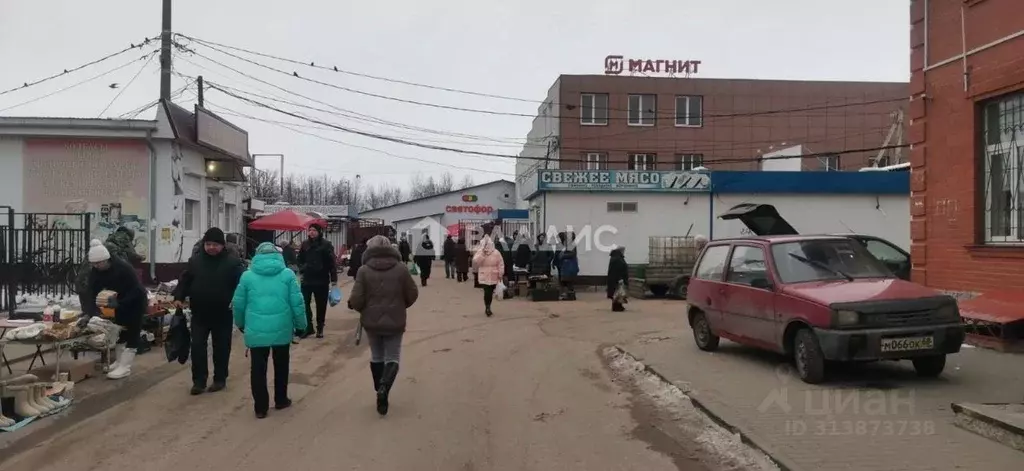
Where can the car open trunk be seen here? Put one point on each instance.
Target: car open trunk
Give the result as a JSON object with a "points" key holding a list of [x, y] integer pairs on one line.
{"points": [[761, 219]]}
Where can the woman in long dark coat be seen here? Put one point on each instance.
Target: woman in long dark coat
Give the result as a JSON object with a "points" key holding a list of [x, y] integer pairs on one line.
{"points": [[618, 270], [461, 261]]}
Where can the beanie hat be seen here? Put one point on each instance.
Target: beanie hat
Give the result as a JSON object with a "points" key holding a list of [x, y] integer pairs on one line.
{"points": [[214, 234], [98, 252]]}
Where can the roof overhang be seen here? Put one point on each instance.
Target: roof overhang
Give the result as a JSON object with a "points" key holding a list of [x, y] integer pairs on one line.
{"points": [[77, 127]]}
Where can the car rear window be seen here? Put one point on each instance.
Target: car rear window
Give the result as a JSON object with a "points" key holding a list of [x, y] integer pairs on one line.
{"points": [[712, 263], [825, 259]]}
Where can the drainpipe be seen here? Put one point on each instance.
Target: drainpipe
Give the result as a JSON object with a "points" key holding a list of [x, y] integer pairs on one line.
{"points": [[963, 43], [925, 35], [152, 205]]}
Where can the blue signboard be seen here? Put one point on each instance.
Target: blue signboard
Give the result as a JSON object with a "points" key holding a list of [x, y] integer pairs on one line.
{"points": [[623, 180]]}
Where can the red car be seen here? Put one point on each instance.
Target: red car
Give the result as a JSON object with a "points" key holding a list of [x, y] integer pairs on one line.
{"points": [[818, 299]]}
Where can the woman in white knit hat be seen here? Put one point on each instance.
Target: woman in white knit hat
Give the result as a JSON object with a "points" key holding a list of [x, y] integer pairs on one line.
{"points": [[130, 302]]}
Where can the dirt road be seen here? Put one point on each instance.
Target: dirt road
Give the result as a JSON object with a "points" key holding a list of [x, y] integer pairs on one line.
{"points": [[525, 390]]}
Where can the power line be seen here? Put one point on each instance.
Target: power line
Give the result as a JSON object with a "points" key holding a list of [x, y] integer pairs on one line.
{"points": [[125, 87], [345, 112], [83, 82], [491, 154], [215, 46], [75, 69], [291, 127], [705, 117]]}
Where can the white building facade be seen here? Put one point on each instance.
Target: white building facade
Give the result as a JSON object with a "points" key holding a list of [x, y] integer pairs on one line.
{"points": [[611, 208], [434, 214], [169, 179]]}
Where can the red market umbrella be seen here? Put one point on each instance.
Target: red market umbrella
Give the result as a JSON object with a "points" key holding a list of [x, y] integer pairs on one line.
{"points": [[287, 220], [453, 230]]}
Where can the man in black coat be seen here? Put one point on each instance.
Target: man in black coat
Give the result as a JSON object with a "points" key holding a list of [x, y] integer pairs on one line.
{"points": [[424, 257], [209, 283], [319, 272], [355, 260], [448, 255], [404, 249]]}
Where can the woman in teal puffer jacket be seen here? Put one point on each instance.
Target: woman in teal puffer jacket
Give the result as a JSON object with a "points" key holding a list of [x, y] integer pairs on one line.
{"points": [[269, 308]]}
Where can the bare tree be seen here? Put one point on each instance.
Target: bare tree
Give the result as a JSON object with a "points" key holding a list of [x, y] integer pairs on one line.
{"points": [[467, 181], [422, 187], [380, 196]]}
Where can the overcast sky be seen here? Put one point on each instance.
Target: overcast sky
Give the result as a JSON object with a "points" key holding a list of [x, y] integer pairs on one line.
{"points": [[514, 49]]}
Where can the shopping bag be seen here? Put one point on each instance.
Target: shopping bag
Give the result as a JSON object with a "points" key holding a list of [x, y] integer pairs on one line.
{"points": [[334, 296], [178, 342], [499, 290], [413, 270]]}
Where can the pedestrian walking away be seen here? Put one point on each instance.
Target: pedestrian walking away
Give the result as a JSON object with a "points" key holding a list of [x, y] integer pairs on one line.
{"points": [[268, 307], [424, 258], [568, 265], [209, 283], [404, 249], [618, 272], [461, 261], [490, 268], [382, 294], [107, 273], [448, 255], [319, 271], [356, 259]]}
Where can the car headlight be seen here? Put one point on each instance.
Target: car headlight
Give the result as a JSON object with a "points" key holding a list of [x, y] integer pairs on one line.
{"points": [[845, 318], [948, 312]]}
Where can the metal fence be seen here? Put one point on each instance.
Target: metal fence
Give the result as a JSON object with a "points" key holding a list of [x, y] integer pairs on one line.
{"points": [[40, 253]]}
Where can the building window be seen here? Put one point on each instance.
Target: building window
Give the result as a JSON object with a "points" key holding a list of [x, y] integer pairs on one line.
{"points": [[230, 215], [690, 111], [594, 161], [642, 110], [689, 161], [594, 109], [622, 207], [1004, 169], [642, 161], [190, 220], [829, 163]]}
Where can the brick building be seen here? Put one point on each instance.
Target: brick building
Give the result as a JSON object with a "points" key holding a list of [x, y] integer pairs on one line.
{"points": [[967, 137], [666, 123]]}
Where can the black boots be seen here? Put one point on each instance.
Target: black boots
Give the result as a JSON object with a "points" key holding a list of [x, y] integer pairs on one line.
{"points": [[319, 331], [387, 380], [377, 370]]}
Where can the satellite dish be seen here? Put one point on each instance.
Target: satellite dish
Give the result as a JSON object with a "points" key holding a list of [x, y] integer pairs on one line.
{"points": [[701, 169]]}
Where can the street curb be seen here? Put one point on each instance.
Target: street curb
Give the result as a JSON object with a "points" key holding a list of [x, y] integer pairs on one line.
{"points": [[749, 439]]}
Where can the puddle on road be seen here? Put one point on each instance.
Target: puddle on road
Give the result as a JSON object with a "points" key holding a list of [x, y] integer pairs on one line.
{"points": [[670, 423]]}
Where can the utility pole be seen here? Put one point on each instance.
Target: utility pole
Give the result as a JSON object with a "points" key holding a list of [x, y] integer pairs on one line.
{"points": [[199, 85], [165, 53]]}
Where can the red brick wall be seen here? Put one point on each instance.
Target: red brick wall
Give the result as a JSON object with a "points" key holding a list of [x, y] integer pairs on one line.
{"points": [[735, 137], [947, 208]]}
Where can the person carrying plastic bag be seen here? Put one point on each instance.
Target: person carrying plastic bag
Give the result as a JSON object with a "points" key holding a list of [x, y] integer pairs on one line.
{"points": [[490, 267]]}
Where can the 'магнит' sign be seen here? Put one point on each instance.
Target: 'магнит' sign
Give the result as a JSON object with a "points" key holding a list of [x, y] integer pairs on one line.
{"points": [[622, 180]]}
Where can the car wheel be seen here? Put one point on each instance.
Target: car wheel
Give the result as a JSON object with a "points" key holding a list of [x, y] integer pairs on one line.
{"points": [[702, 335], [807, 355], [930, 367]]}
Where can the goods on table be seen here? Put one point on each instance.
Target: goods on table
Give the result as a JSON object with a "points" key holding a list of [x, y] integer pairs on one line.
{"points": [[105, 298], [27, 332], [102, 334], [59, 332]]}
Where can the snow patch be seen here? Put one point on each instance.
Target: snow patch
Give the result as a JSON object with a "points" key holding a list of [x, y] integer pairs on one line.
{"points": [[727, 446]]}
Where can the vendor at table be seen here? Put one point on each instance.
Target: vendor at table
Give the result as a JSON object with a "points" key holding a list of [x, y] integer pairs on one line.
{"points": [[114, 274]]}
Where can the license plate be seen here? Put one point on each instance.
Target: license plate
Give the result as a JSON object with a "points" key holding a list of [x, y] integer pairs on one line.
{"points": [[905, 344]]}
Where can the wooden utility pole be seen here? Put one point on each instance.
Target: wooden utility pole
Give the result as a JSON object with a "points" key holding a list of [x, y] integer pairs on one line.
{"points": [[165, 53]]}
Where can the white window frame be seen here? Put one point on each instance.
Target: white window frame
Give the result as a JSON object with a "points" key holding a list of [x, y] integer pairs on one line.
{"points": [[688, 119], [191, 224], [689, 161], [594, 119], [623, 207], [594, 161], [642, 102], [642, 162], [1005, 138], [230, 214], [829, 163]]}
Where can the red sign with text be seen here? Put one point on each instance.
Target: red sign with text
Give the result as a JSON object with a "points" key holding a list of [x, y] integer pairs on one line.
{"points": [[615, 65], [469, 209]]}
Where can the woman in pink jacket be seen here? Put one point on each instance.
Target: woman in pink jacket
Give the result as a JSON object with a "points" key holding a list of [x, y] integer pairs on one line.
{"points": [[490, 268]]}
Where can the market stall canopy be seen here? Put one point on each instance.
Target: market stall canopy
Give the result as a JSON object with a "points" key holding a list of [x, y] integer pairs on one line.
{"points": [[287, 220], [453, 230]]}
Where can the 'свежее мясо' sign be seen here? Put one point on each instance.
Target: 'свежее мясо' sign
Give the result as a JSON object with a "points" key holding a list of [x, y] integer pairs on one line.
{"points": [[622, 180]]}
